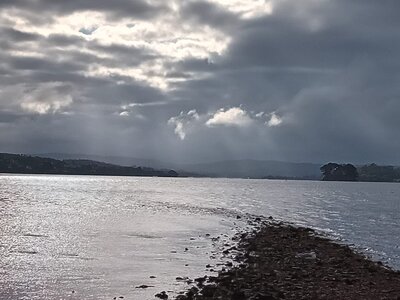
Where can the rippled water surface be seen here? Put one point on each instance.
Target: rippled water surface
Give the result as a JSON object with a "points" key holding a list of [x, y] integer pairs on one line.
{"points": [[82, 237]]}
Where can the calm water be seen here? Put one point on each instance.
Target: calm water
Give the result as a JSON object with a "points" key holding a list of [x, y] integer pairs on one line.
{"points": [[103, 236]]}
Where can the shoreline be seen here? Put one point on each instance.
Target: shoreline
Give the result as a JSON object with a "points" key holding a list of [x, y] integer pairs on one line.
{"points": [[278, 260]]}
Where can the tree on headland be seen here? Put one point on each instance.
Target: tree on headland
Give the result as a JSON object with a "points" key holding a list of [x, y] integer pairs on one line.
{"points": [[373, 172], [339, 172]]}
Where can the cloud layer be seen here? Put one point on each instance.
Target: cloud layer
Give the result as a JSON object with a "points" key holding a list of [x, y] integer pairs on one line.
{"points": [[199, 80]]}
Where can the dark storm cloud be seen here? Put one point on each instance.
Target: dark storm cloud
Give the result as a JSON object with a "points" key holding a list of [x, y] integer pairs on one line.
{"points": [[335, 81], [47, 99], [297, 47], [118, 55], [115, 8], [66, 62], [131, 92], [62, 40], [209, 14], [5, 3], [117, 50], [126, 56], [195, 65], [121, 8], [16, 36], [10, 117], [177, 74], [335, 121], [34, 63], [329, 69]]}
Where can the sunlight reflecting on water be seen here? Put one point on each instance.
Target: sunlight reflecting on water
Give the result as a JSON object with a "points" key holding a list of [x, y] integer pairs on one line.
{"points": [[74, 237]]}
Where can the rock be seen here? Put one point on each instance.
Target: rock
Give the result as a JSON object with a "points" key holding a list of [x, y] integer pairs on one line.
{"points": [[238, 295], [280, 257], [201, 280], [193, 290], [208, 290], [163, 295], [307, 255], [181, 278], [144, 286], [261, 296]]}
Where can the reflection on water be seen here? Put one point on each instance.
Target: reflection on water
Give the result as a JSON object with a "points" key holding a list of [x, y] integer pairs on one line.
{"points": [[77, 237]]}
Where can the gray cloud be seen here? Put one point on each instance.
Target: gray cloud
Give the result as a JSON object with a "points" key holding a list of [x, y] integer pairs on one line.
{"points": [[328, 70], [115, 9], [34, 63], [18, 36], [208, 14]]}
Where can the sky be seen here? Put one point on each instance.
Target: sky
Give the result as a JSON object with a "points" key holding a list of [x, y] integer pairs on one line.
{"points": [[196, 80]]}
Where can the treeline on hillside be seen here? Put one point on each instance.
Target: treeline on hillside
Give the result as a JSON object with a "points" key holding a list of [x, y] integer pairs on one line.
{"points": [[24, 164], [377, 173], [348, 172]]}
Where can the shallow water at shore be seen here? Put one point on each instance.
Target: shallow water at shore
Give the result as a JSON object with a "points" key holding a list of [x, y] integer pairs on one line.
{"points": [[103, 236]]}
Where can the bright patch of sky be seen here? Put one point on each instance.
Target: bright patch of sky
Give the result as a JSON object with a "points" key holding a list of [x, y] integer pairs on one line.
{"points": [[246, 8]]}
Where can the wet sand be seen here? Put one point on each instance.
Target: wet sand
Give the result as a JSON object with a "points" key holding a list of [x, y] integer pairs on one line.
{"points": [[282, 261]]}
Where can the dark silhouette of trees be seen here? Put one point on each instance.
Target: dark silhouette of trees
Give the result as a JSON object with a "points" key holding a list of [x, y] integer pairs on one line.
{"points": [[373, 172], [24, 164], [339, 172]]}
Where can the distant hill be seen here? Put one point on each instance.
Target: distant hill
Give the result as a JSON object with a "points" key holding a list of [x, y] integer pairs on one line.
{"points": [[115, 160], [231, 169], [262, 169], [122, 161], [255, 169], [25, 164]]}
